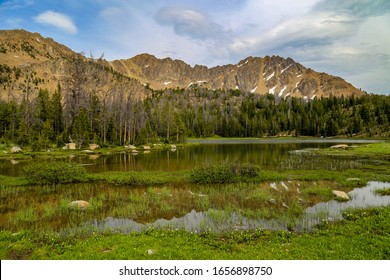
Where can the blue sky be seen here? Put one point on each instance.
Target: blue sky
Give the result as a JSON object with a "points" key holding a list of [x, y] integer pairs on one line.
{"points": [[349, 38]]}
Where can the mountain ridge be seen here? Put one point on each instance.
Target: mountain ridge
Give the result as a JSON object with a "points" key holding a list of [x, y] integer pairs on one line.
{"points": [[272, 74], [47, 62]]}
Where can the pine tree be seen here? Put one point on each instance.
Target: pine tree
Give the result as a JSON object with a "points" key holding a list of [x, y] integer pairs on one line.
{"points": [[81, 129]]}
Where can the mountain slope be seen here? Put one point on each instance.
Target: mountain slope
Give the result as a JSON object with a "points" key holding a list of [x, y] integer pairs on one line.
{"points": [[29, 62]]}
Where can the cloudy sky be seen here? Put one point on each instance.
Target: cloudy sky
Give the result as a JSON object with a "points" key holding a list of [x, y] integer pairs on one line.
{"points": [[348, 38]]}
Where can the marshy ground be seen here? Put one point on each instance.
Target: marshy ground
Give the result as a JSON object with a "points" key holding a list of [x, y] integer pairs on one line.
{"points": [[248, 213]]}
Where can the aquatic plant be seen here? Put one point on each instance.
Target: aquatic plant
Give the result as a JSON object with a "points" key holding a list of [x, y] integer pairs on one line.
{"points": [[383, 192]]}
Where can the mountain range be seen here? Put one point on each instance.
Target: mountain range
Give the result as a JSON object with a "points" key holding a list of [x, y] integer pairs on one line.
{"points": [[29, 61]]}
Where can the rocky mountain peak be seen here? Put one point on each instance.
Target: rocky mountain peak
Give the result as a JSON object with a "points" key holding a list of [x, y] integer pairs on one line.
{"points": [[46, 62], [272, 74]]}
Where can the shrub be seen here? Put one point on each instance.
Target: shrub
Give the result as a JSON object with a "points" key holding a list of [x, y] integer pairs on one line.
{"points": [[54, 173], [247, 170], [223, 172]]}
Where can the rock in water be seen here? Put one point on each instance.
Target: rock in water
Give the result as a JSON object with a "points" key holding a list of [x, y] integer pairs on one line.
{"points": [[79, 204], [341, 194]]}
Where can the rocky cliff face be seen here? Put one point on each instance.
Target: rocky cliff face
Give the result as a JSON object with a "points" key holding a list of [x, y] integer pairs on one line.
{"points": [[29, 62], [276, 75]]}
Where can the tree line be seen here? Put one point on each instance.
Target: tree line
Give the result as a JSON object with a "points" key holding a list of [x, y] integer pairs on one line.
{"points": [[173, 115]]}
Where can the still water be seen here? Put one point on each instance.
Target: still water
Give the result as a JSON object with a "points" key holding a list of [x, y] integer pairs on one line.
{"points": [[224, 221], [268, 154], [241, 206]]}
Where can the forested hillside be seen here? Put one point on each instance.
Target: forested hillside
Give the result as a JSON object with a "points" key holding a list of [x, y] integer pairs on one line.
{"points": [[172, 115]]}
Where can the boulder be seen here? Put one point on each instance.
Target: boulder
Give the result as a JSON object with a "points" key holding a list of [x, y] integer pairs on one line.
{"points": [[79, 204], [340, 194], [16, 149], [131, 147], [146, 147], [69, 146], [340, 146], [93, 147]]}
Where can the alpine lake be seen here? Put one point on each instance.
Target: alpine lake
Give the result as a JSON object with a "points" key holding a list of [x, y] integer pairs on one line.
{"points": [[287, 195]]}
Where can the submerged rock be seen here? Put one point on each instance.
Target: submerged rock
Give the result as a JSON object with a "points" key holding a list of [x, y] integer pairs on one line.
{"points": [[79, 204], [340, 194]]}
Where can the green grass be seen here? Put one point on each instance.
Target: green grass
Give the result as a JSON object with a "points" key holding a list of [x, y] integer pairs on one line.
{"points": [[383, 192], [363, 235], [366, 150], [202, 175], [139, 178]]}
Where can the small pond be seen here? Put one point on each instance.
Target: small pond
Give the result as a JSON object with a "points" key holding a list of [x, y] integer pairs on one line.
{"points": [[292, 205]]}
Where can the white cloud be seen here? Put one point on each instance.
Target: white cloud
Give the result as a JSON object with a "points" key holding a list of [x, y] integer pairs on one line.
{"points": [[189, 22], [58, 20]]}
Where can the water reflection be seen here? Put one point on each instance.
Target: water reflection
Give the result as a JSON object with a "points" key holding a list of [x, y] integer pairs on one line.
{"points": [[332, 210], [223, 221], [268, 154]]}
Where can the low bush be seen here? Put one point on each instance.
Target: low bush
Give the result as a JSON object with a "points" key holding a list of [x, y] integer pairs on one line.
{"points": [[247, 170], [54, 173], [223, 172]]}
